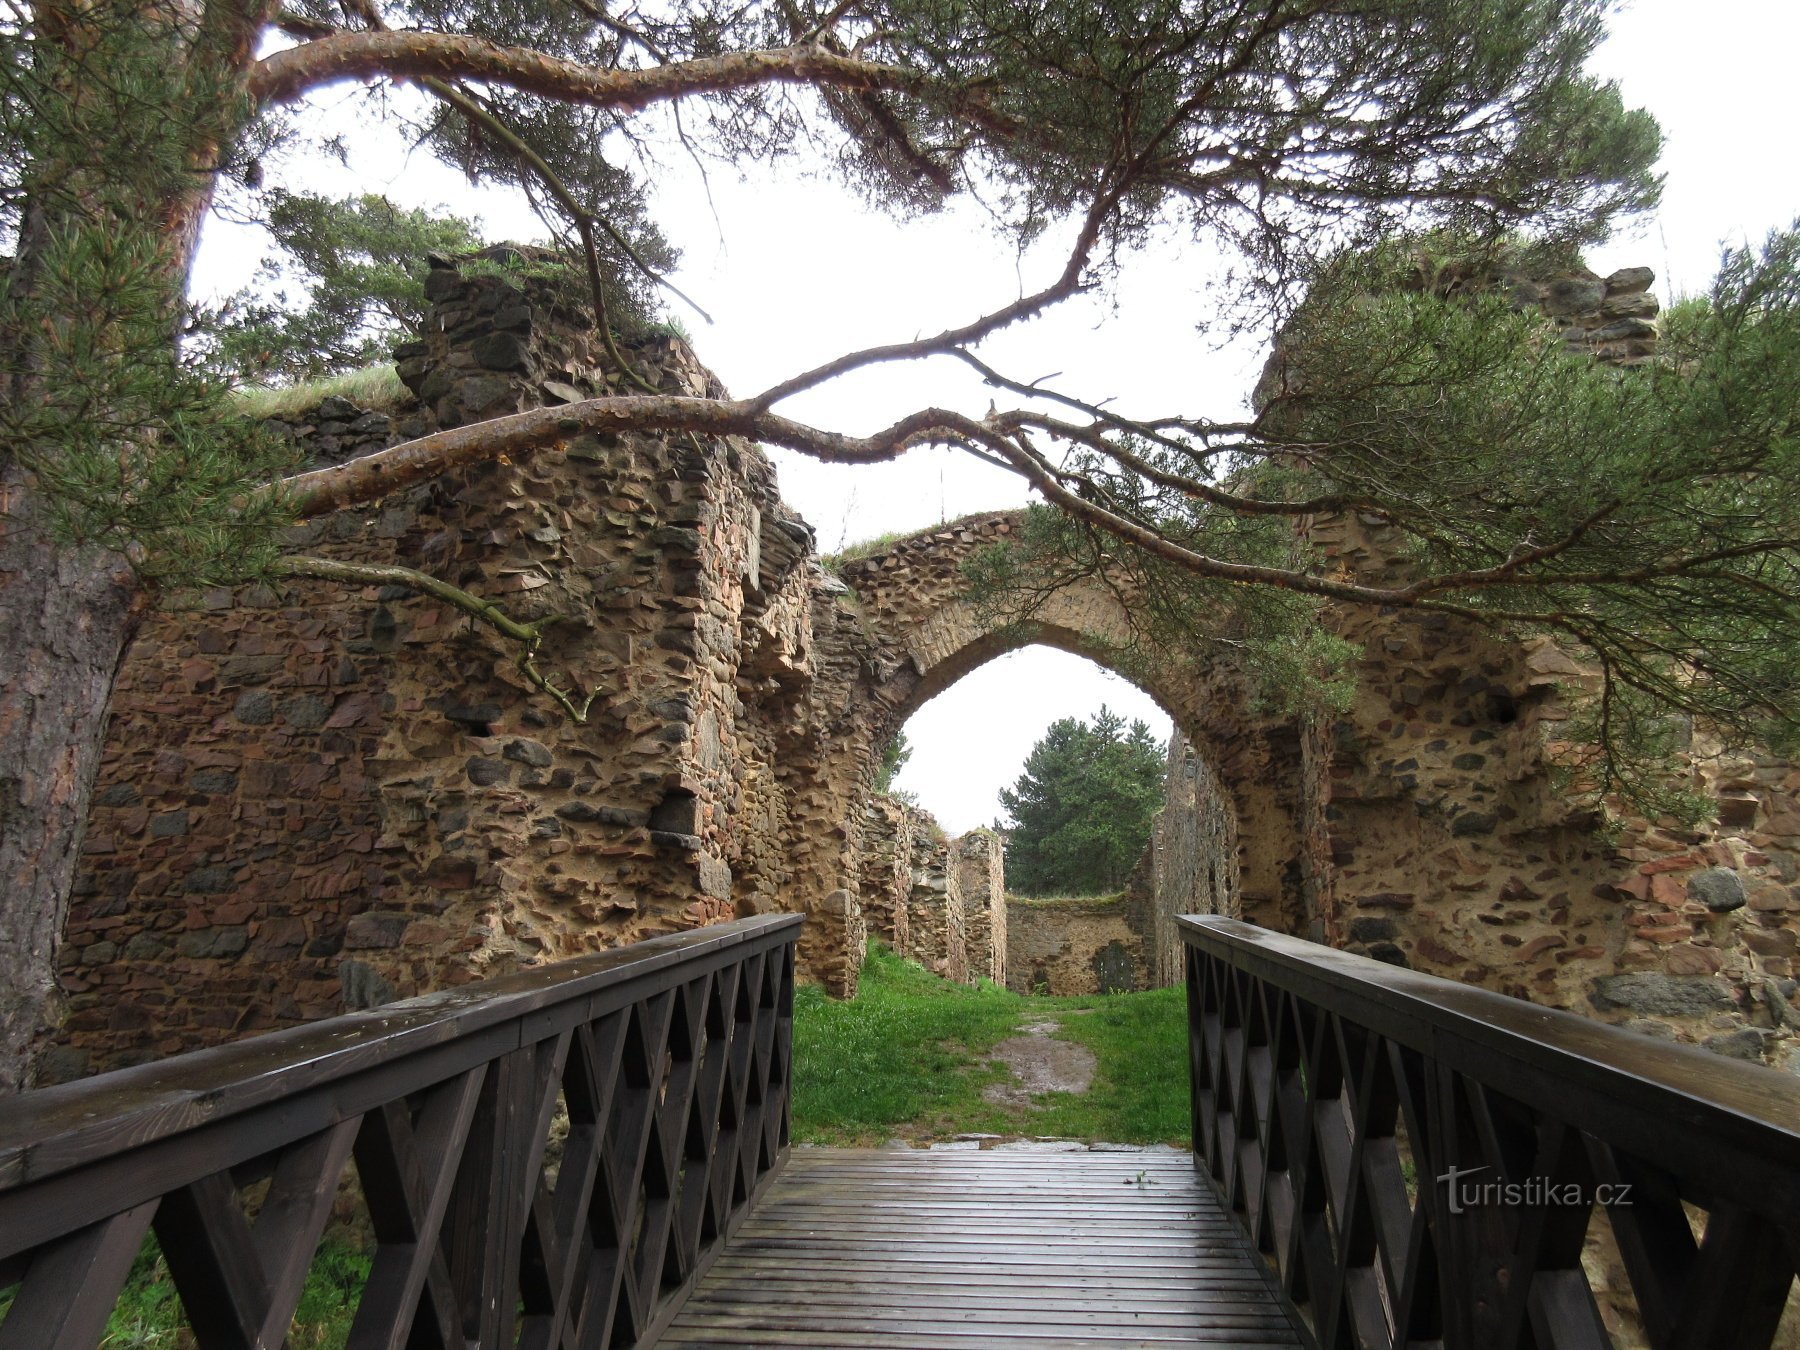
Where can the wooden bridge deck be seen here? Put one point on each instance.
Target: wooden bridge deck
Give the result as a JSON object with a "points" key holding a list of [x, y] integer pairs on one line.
{"points": [[967, 1249]]}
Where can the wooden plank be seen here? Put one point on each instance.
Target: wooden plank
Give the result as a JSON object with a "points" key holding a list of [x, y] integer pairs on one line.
{"points": [[956, 1284], [965, 1339], [985, 1248], [1101, 1313]]}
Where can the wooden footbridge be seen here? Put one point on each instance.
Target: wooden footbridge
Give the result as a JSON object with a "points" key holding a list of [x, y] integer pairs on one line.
{"points": [[595, 1154]]}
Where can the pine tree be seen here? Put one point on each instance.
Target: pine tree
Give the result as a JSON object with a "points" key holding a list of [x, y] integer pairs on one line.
{"points": [[344, 289], [1082, 809]]}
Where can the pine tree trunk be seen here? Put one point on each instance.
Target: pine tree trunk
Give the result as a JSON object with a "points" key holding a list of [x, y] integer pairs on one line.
{"points": [[69, 618], [67, 614]]}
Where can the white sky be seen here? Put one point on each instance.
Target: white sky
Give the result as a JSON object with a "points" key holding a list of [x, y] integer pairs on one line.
{"points": [[795, 270]]}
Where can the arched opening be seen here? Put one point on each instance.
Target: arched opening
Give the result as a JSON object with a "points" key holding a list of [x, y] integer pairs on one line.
{"points": [[1241, 838], [970, 740]]}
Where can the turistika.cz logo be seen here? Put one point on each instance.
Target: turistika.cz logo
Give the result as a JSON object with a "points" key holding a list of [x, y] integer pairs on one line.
{"points": [[1532, 1192]]}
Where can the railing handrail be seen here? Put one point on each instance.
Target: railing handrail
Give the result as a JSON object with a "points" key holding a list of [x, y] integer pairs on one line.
{"points": [[53, 1130], [1665, 1089]]}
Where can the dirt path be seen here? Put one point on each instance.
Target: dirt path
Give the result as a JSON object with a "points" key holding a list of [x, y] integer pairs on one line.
{"points": [[1039, 1063]]}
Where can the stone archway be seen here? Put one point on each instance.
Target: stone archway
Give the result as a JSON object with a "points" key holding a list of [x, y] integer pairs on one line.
{"points": [[907, 632]]}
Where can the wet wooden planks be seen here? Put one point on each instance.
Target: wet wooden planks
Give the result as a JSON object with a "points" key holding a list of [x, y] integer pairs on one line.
{"points": [[967, 1249]]}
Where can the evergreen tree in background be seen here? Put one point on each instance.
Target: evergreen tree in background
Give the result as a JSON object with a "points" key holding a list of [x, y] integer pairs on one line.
{"points": [[1082, 808], [347, 286], [893, 759]]}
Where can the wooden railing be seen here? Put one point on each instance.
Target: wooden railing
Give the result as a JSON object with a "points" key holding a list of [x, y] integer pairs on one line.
{"points": [[547, 1159], [1419, 1161]]}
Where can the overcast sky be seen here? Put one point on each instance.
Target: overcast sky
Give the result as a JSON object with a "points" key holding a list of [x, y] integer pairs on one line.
{"points": [[794, 270]]}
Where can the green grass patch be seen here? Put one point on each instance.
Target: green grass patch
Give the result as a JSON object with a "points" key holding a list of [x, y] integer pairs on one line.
{"points": [[1072, 902], [374, 388], [148, 1314], [908, 1057], [1140, 1090], [883, 543], [905, 1057]]}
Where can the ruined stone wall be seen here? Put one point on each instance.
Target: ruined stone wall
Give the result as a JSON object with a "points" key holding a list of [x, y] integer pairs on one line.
{"points": [[323, 796], [921, 636], [1084, 946], [979, 864], [1192, 856], [326, 796], [931, 898], [1456, 849], [937, 920], [886, 869]]}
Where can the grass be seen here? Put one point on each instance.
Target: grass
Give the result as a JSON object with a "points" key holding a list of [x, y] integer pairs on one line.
{"points": [[1072, 901], [867, 548], [882, 543], [908, 1058], [1140, 1090], [373, 388], [907, 1053], [148, 1315]]}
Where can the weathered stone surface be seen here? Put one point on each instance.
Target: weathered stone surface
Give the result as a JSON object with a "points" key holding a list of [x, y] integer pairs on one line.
{"points": [[1662, 995], [376, 930], [500, 351], [1574, 295], [254, 708], [484, 772], [1630, 281], [1372, 929], [525, 751], [363, 986], [1718, 888], [1747, 1043]]}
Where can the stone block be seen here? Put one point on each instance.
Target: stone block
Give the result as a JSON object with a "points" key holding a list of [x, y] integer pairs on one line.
{"points": [[1746, 1044], [525, 751], [1718, 888], [214, 780], [375, 929], [363, 985], [254, 707], [498, 351], [1662, 995], [486, 772]]}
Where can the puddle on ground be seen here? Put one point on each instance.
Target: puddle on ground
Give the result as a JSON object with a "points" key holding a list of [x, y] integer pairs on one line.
{"points": [[1039, 1063]]}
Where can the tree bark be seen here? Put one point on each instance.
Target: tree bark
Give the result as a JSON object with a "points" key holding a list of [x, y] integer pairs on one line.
{"points": [[68, 613], [69, 617], [286, 75]]}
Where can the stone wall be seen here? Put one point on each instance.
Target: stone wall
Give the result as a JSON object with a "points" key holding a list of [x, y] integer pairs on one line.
{"points": [[886, 870], [1084, 946], [936, 917], [978, 861], [929, 897], [326, 796], [1192, 856]]}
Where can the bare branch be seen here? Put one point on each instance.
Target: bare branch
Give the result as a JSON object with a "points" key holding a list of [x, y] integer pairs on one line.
{"points": [[529, 635], [1068, 283]]}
